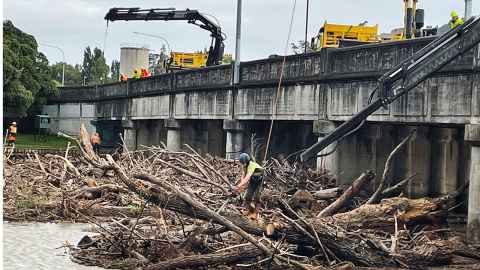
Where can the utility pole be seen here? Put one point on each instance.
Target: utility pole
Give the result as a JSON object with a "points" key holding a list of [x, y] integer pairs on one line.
{"points": [[236, 69], [306, 26]]}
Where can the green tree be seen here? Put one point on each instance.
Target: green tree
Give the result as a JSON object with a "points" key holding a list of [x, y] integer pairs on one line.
{"points": [[115, 70], [87, 65], [94, 68], [100, 69], [73, 74], [26, 76]]}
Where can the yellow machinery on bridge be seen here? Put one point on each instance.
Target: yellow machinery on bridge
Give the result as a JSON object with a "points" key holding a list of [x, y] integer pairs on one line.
{"points": [[185, 60], [336, 35], [331, 34]]}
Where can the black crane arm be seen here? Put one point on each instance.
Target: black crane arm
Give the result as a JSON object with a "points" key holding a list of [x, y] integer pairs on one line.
{"points": [[215, 53], [405, 76]]}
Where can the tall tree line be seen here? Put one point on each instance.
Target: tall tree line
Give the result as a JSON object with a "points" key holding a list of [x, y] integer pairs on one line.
{"points": [[29, 79]]}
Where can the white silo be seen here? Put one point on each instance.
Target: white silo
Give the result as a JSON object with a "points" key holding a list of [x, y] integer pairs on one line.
{"points": [[133, 57]]}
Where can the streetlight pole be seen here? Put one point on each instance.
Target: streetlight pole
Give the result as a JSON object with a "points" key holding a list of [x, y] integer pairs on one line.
{"points": [[306, 26], [63, 56], [155, 36], [236, 69]]}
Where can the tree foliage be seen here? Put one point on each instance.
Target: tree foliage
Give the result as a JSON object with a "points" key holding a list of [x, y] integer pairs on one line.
{"points": [[94, 68], [115, 70], [26, 76], [73, 74]]}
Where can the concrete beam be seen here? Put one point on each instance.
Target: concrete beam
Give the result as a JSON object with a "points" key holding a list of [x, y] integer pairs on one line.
{"points": [[472, 135]]}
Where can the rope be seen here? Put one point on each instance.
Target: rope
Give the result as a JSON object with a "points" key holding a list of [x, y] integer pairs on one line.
{"points": [[274, 109]]}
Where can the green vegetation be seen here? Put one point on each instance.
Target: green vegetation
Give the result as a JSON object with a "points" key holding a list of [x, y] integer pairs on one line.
{"points": [[94, 68], [115, 70], [73, 74], [27, 82], [41, 141]]}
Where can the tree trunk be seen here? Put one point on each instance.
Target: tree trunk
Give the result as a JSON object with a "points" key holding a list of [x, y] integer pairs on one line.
{"points": [[207, 259]]}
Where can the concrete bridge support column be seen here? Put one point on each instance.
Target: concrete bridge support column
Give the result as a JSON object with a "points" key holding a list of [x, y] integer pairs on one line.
{"points": [[174, 138], [472, 135], [445, 160], [156, 128], [329, 162], [143, 133], [234, 138], [129, 134], [415, 160]]}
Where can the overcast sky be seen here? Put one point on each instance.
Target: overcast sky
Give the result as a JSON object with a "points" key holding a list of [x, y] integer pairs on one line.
{"points": [[75, 24]]}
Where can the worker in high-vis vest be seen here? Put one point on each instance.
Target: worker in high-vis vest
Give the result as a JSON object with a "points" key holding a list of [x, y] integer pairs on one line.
{"points": [[136, 74], [95, 141], [252, 180], [454, 20], [12, 133]]}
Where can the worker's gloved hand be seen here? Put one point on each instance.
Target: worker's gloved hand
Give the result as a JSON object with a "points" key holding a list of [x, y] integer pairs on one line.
{"points": [[238, 189]]}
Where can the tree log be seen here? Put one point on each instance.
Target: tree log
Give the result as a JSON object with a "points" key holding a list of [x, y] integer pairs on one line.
{"points": [[351, 247], [348, 194], [329, 193], [207, 259]]}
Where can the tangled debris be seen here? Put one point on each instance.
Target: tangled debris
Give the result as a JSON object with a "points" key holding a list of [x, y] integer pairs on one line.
{"points": [[185, 216]]}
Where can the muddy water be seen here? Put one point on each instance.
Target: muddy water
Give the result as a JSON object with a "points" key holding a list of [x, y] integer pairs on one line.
{"points": [[36, 245]]}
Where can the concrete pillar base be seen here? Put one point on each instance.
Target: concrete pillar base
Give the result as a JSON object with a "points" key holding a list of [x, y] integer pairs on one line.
{"points": [[472, 135], [325, 162], [130, 138], [174, 138], [234, 138], [129, 134], [445, 162], [416, 161]]}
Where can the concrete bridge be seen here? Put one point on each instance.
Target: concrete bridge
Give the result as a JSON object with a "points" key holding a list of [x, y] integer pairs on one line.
{"points": [[319, 91]]}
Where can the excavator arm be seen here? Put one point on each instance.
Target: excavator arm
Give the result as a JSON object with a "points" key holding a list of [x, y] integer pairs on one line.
{"points": [[215, 53], [405, 76]]}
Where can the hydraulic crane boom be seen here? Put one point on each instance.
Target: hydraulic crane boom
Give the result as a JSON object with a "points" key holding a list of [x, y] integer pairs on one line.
{"points": [[215, 53], [405, 76]]}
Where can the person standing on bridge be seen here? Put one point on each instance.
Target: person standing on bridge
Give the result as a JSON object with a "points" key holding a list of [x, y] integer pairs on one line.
{"points": [[136, 74], [252, 179], [12, 134], [95, 141], [455, 20]]}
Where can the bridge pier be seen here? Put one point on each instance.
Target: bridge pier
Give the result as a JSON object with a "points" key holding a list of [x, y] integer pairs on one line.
{"points": [[415, 159], [445, 160], [129, 134], [234, 138], [328, 162], [472, 135], [174, 136]]}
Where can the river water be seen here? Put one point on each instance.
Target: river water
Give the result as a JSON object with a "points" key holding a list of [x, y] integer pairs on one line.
{"points": [[39, 245]]}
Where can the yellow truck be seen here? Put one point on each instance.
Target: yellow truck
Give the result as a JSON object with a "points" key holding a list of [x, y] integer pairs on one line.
{"points": [[331, 34]]}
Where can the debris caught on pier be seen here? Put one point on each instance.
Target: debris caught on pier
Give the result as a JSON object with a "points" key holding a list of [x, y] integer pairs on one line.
{"points": [[158, 209]]}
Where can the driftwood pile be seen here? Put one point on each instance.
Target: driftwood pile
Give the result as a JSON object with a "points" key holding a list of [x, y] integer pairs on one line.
{"points": [[186, 216]]}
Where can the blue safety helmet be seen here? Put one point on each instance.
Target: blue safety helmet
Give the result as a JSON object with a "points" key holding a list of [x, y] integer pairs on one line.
{"points": [[244, 158]]}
